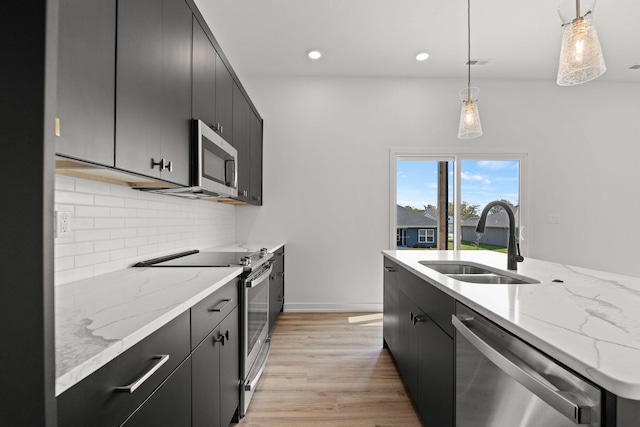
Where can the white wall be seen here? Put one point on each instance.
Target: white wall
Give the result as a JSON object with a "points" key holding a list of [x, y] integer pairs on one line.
{"points": [[326, 172], [115, 226]]}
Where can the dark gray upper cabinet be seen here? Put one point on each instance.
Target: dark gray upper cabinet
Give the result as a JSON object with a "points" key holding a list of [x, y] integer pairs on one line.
{"points": [[242, 142], [86, 80], [247, 127], [203, 97], [224, 101], [153, 91], [255, 186]]}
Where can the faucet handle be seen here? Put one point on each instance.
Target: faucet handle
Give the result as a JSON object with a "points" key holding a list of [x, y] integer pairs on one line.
{"points": [[517, 257]]}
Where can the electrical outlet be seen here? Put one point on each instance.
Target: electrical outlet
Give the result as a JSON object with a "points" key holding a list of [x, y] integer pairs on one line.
{"points": [[63, 224], [553, 219]]}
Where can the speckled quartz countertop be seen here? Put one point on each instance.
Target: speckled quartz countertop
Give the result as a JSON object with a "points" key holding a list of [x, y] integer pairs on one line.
{"points": [[590, 322], [99, 318]]}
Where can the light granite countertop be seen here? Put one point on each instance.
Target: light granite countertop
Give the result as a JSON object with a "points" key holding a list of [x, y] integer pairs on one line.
{"points": [[99, 318], [590, 321]]}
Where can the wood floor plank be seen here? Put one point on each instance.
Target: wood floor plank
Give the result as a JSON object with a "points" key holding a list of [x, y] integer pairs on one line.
{"points": [[329, 369]]}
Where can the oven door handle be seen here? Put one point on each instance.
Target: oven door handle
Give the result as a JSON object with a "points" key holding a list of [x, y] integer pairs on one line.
{"points": [[579, 414], [261, 278]]}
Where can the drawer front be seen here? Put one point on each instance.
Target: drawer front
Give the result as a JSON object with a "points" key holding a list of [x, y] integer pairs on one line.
{"points": [[435, 303], [169, 405], [95, 401], [209, 312]]}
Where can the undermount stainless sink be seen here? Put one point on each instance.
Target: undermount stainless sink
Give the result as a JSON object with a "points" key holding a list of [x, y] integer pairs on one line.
{"points": [[477, 273], [446, 267]]}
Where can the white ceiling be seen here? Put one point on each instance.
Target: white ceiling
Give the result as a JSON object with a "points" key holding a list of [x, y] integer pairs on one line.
{"points": [[380, 37]]}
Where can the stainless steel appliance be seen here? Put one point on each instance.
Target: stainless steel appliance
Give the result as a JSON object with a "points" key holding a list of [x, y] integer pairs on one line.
{"points": [[253, 295], [213, 170], [502, 381]]}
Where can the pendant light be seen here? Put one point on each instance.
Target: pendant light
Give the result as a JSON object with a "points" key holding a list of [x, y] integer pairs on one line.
{"points": [[470, 126], [581, 57]]}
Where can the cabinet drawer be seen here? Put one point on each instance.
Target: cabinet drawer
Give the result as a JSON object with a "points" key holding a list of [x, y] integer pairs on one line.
{"points": [[94, 401], [435, 303], [169, 405], [209, 312]]}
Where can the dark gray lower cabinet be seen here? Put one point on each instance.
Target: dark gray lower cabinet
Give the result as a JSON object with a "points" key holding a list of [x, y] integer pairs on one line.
{"points": [[197, 386], [276, 287], [216, 379], [169, 405], [415, 333], [95, 401]]}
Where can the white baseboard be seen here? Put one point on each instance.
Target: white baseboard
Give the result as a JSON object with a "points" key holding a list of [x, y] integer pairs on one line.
{"points": [[329, 307]]}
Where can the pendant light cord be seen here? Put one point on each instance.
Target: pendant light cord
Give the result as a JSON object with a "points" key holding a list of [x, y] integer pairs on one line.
{"points": [[469, 49]]}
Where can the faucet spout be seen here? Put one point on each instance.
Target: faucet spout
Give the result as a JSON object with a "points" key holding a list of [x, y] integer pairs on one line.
{"points": [[513, 248]]}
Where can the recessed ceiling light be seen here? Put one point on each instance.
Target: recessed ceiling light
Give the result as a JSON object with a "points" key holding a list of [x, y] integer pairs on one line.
{"points": [[314, 54], [423, 55]]}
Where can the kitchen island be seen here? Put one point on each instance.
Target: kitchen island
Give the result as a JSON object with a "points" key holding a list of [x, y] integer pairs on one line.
{"points": [[587, 320]]}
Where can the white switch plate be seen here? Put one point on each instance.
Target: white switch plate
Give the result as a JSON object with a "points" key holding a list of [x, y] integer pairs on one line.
{"points": [[63, 224], [553, 219]]}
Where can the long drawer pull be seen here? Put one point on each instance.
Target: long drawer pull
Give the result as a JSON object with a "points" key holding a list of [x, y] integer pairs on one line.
{"points": [[390, 269], [221, 305], [161, 359]]}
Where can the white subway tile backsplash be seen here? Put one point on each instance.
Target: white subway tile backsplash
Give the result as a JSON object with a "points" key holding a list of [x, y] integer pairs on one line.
{"points": [[110, 201], [92, 211], [113, 227], [91, 187], [91, 235], [92, 259]]}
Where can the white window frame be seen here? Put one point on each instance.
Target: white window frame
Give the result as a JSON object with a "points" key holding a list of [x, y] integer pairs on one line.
{"points": [[440, 155], [422, 239], [431, 235]]}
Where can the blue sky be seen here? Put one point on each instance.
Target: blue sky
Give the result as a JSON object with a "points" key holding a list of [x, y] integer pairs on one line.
{"points": [[482, 182]]}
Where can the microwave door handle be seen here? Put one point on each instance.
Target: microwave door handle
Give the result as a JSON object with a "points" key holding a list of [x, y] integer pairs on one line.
{"points": [[230, 169], [578, 413]]}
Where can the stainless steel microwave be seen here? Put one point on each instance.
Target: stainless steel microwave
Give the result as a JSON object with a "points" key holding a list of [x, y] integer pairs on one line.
{"points": [[213, 170], [214, 166]]}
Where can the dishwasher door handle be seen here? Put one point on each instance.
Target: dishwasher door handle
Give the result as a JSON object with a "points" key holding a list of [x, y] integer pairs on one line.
{"points": [[579, 414]]}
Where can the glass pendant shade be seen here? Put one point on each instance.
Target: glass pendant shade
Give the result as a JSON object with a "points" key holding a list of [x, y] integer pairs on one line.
{"points": [[581, 57], [470, 126]]}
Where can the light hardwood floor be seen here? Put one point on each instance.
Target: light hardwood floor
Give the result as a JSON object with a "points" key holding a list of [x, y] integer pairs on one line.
{"points": [[329, 369]]}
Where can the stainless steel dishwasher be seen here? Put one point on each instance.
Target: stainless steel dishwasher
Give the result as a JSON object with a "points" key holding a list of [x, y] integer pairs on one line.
{"points": [[501, 381]]}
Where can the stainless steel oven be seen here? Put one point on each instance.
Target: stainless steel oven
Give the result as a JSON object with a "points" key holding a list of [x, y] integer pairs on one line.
{"points": [[254, 297]]}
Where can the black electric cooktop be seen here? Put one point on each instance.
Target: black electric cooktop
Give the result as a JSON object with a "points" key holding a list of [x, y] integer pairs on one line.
{"points": [[196, 258]]}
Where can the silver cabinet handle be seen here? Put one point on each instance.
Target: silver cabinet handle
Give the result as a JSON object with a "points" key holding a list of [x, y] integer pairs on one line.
{"points": [[390, 269], [579, 414], [221, 305], [161, 359]]}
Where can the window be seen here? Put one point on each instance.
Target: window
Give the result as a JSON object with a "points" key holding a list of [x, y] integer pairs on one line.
{"points": [[454, 203], [426, 235]]}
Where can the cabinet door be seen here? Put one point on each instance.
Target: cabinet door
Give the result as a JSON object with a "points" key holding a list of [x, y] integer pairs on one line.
{"points": [[256, 159], [407, 346], [229, 368], [176, 85], [435, 359], [153, 91], [224, 100], [86, 80], [206, 382], [242, 143], [204, 77], [169, 405], [391, 311]]}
